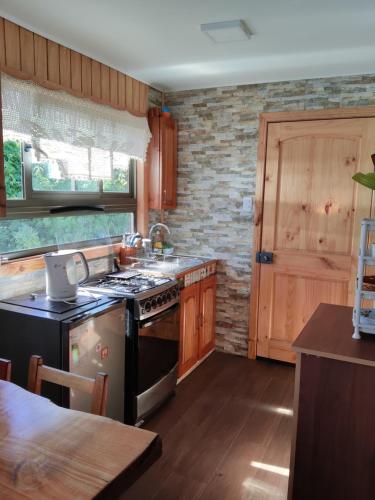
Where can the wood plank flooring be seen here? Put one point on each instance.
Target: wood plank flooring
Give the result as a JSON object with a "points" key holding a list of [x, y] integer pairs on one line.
{"points": [[226, 434]]}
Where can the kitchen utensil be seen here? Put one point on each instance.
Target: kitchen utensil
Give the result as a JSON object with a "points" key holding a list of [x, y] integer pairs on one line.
{"points": [[61, 274]]}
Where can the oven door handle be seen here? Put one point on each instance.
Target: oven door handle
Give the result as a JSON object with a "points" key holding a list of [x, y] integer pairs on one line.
{"points": [[160, 317]]}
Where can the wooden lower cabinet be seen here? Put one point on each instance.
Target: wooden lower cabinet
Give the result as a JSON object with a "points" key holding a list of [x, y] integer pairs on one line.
{"points": [[197, 322]]}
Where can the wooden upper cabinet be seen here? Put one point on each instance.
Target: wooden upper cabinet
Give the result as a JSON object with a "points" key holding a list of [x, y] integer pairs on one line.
{"points": [[162, 159], [207, 316], [189, 327]]}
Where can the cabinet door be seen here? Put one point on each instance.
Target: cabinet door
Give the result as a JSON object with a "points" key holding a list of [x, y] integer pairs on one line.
{"points": [[189, 325], [168, 131], [207, 316], [153, 159]]}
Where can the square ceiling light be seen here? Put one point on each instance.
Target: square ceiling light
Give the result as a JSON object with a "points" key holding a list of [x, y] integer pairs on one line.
{"points": [[227, 31]]}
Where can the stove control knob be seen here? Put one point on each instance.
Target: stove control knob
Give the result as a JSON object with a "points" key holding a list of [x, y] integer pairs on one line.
{"points": [[153, 303], [174, 293], [159, 301], [168, 296], [164, 298], [148, 307]]}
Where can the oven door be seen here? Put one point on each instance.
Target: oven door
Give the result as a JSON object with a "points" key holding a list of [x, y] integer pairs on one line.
{"points": [[158, 351]]}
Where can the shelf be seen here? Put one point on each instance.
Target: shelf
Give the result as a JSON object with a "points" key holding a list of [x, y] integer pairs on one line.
{"points": [[368, 294], [366, 324], [370, 223], [369, 260]]}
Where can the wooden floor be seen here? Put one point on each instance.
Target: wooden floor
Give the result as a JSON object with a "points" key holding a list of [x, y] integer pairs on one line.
{"points": [[226, 434]]}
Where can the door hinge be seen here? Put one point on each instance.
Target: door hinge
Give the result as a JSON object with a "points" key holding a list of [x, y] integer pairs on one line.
{"points": [[264, 257]]}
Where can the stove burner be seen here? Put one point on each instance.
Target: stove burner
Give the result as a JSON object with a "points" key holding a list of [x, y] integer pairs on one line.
{"points": [[147, 294], [127, 283]]}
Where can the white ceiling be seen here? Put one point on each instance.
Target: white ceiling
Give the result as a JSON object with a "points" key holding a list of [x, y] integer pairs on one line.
{"points": [[160, 43]]}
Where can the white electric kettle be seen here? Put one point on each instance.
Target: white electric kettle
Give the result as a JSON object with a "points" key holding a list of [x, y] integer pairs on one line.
{"points": [[61, 274]]}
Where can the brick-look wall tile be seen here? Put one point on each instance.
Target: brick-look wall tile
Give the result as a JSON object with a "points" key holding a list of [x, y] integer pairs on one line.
{"points": [[218, 140]]}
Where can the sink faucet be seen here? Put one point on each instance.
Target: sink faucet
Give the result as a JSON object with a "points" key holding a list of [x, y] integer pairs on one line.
{"points": [[159, 224], [151, 237]]}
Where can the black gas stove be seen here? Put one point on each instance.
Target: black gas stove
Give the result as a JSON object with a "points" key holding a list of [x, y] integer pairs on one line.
{"points": [[151, 294], [152, 337]]}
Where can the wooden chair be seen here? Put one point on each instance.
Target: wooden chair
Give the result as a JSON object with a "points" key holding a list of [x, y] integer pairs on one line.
{"points": [[97, 387], [5, 369]]}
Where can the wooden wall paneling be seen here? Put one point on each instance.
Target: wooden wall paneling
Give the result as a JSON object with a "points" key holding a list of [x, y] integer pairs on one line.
{"points": [[76, 71], [12, 45], [40, 55], [104, 83], [129, 93], [27, 51], [2, 41], [113, 86], [96, 80], [143, 98], [65, 74], [122, 90], [136, 93], [86, 76], [53, 62], [24, 54]]}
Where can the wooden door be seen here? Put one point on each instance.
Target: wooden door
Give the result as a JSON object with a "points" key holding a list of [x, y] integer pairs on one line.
{"points": [[189, 327], [311, 216], [207, 316], [168, 132]]}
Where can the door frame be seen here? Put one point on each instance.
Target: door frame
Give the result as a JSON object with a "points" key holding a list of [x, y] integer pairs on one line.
{"points": [[264, 120]]}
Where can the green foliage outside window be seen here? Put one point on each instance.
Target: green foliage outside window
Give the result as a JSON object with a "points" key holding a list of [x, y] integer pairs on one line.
{"points": [[23, 234], [13, 170]]}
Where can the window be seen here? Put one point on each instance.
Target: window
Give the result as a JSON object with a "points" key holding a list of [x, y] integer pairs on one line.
{"points": [[27, 236], [47, 172], [62, 151]]}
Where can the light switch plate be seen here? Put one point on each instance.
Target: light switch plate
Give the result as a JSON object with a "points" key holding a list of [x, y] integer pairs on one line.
{"points": [[247, 204]]}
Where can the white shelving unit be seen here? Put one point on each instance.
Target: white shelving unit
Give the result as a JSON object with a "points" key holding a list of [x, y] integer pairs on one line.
{"points": [[364, 318]]}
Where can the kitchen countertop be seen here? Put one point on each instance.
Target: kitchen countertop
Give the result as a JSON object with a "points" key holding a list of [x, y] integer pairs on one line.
{"points": [[174, 266]]}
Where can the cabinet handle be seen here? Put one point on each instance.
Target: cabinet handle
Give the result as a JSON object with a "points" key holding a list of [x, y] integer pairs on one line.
{"points": [[164, 195]]}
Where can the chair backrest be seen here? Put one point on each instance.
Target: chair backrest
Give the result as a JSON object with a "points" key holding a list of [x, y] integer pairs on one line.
{"points": [[98, 387], [5, 369]]}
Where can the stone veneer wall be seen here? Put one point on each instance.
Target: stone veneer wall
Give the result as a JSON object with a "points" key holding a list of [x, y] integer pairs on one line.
{"points": [[218, 135]]}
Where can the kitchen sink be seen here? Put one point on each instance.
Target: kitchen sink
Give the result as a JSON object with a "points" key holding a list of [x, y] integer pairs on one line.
{"points": [[167, 263]]}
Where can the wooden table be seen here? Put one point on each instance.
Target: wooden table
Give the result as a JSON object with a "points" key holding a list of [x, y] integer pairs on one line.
{"points": [[333, 449], [48, 452]]}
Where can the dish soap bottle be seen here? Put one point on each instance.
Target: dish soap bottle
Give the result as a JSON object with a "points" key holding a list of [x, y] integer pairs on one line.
{"points": [[157, 244]]}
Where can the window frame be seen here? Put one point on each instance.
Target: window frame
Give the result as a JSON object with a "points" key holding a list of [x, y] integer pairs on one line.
{"points": [[39, 203]]}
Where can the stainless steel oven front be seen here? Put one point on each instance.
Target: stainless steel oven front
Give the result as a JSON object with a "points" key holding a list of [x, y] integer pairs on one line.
{"points": [[153, 352]]}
